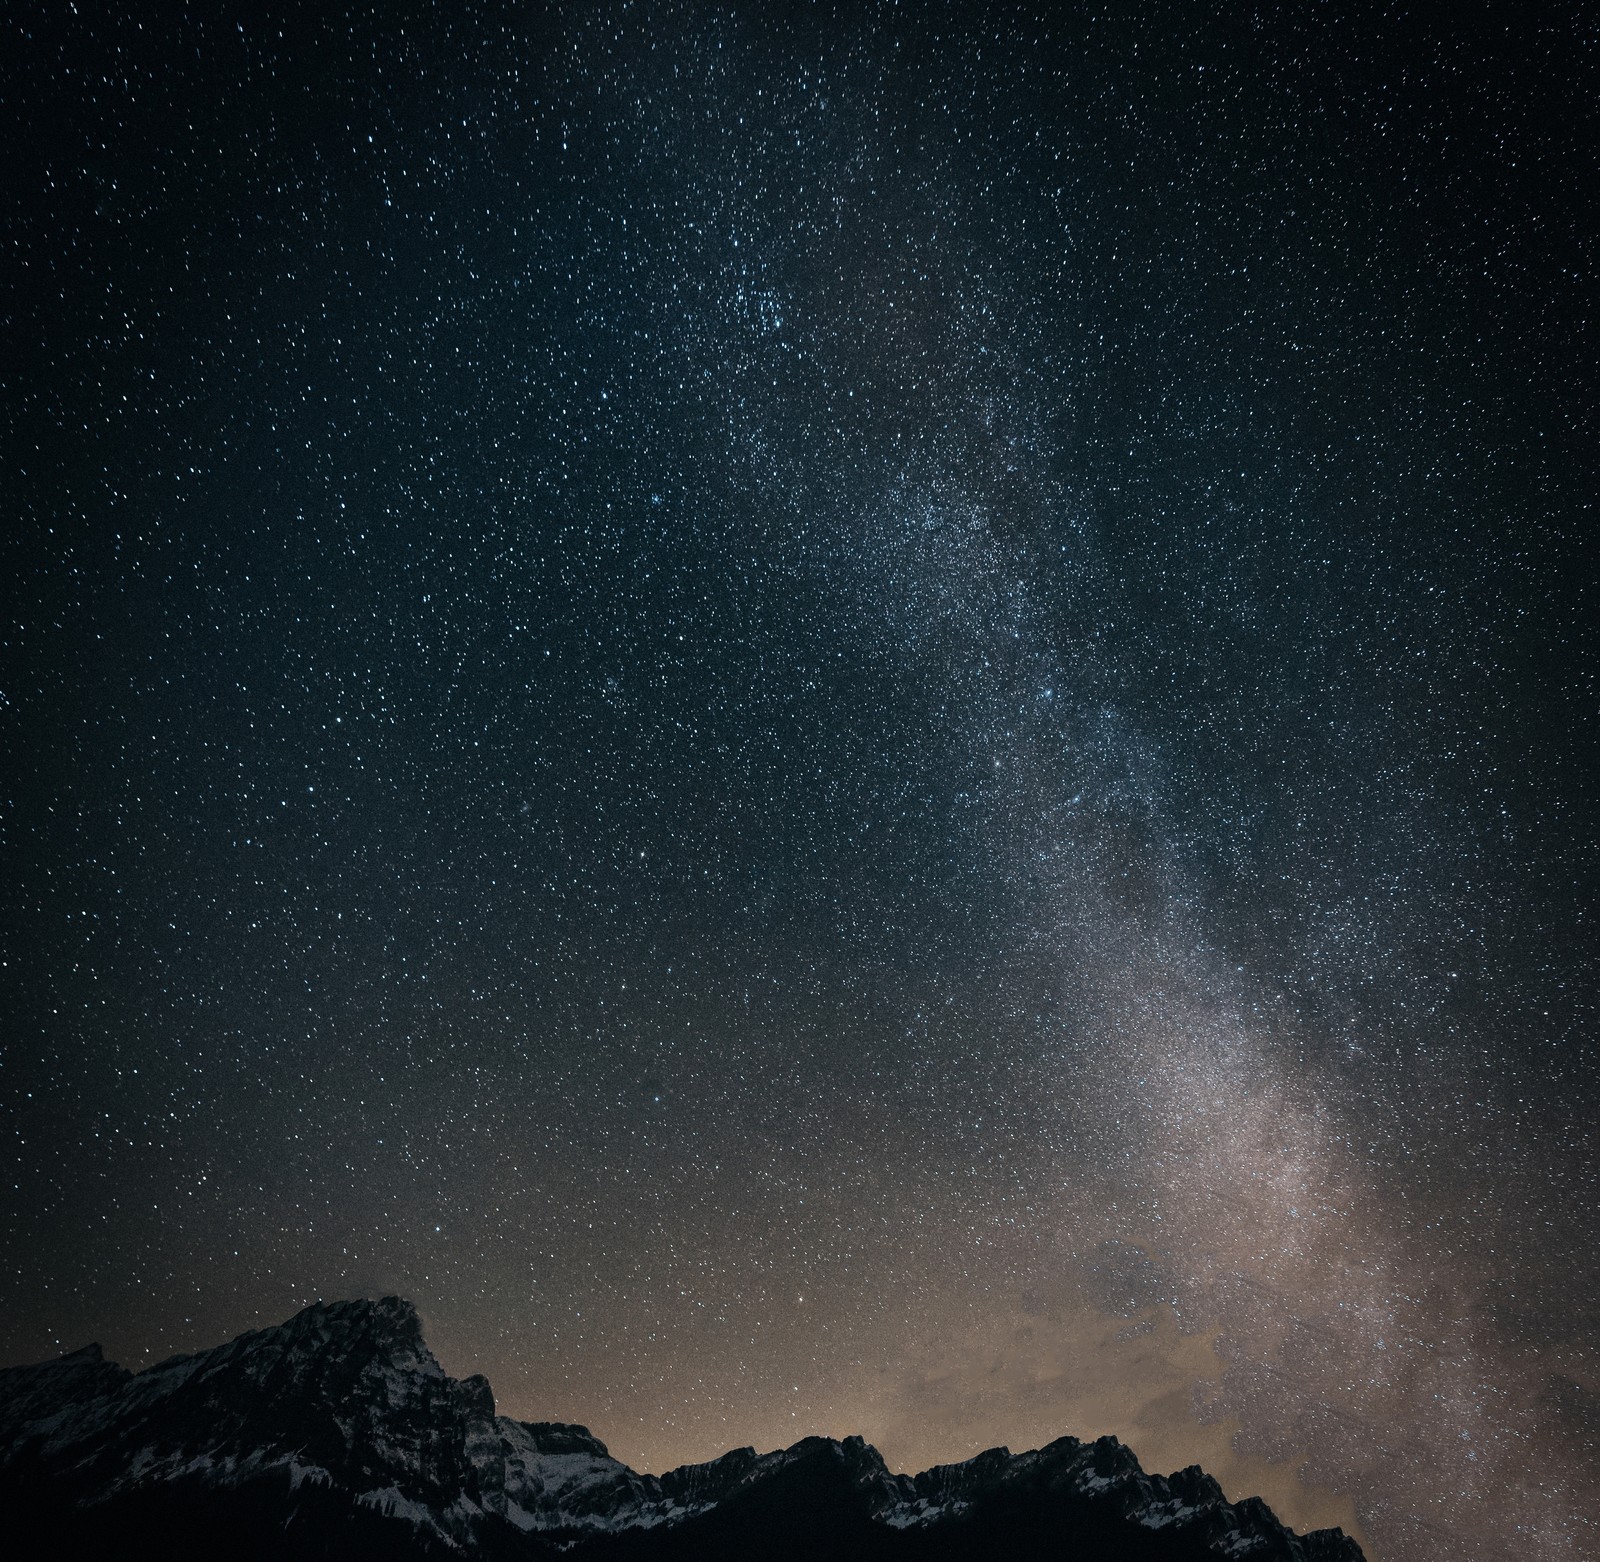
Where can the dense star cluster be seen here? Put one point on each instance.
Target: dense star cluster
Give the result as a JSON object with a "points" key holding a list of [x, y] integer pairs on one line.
{"points": [[830, 718]]}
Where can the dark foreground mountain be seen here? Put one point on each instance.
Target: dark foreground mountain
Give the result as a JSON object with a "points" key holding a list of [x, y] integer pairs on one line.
{"points": [[338, 1436]]}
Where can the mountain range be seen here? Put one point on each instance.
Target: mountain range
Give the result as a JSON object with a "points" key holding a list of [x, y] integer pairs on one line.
{"points": [[337, 1435]]}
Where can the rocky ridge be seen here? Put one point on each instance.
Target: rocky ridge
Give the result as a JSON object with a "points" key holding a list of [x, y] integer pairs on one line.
{"points": [[337, 1434]]}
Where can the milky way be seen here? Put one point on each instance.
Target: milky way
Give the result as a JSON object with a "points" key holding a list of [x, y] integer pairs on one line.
{"points": [[836, 719]]}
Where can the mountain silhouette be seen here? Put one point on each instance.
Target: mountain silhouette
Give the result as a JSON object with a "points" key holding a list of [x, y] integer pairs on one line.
{"points": [[337, 1436]]}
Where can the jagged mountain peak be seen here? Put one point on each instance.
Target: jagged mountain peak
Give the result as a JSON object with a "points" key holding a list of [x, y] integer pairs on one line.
{"points": [[85, 1355], [337, 1432], [564, 1437], [389, 1326]]}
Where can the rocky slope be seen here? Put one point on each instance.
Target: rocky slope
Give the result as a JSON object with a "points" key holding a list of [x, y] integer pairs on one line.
{"points": [[338, 1435]]}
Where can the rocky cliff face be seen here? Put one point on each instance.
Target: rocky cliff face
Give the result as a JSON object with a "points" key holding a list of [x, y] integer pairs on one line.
{"points": [[338, 1435]]}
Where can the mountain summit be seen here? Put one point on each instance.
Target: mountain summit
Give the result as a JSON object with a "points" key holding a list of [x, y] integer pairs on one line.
{"points": [[337, 1435]]}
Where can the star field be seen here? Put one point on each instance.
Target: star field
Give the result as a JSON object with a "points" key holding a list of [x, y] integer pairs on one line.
{"points": [[830, 719]]}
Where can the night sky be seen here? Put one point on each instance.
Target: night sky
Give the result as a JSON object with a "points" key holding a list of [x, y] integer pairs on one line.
{"points": [[829, 719]]}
